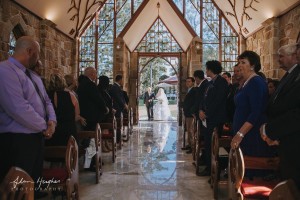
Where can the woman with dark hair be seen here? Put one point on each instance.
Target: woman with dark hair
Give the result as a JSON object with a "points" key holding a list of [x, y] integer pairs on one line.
{"points": [[213, 108], [272, 85], [250, 101], [103, 87]]}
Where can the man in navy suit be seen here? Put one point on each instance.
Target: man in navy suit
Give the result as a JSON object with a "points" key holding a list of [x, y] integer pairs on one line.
{"points": [[213, 108], [283, 112], [119, 103]]}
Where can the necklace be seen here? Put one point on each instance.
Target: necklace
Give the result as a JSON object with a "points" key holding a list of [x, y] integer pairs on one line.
{"points": [[251, 76]]}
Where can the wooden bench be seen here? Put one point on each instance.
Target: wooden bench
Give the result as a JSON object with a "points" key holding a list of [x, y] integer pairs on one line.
{"points": [[218, 152], [23, 190], [183, 128], [111, 135], [249, 189], [285, 190], [120, 130], [96, 135], [63, 178]]}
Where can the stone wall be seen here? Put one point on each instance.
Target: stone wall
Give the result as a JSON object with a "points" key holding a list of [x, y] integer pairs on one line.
{"points": [[57, 49], [277, 32]]}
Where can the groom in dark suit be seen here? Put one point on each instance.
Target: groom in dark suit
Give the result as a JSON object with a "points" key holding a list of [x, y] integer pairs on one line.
{"points": [[283, 112], [148, 101]]}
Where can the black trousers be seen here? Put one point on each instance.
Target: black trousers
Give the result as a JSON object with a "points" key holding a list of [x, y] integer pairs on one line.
{"points": [[22, 150], [150, 111]]}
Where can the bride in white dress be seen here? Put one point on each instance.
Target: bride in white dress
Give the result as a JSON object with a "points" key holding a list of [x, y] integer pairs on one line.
{"points": [[161, 110]]}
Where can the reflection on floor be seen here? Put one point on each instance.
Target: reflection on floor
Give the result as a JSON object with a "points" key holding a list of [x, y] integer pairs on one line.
{"points": [[150, 166]]}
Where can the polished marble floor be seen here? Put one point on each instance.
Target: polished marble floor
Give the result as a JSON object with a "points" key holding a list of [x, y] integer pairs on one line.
{"points": [[150, 166]]}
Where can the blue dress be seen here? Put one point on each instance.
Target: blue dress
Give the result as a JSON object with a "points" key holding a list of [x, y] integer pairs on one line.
{"points": [[251, 101]]}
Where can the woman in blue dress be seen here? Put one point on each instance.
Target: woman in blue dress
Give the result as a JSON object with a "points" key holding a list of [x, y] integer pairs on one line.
{"points": [[250, 101]]}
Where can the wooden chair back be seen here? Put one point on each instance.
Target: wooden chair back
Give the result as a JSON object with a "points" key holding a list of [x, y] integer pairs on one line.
{"points": [[236, 171], [97, 136], [285, 190], [112, 135], [17, 185], [68, 153]]}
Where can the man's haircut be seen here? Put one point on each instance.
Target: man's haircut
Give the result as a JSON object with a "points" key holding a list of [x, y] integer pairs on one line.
{"points": [[199, 74], [214, 66], [191, 78], [227, 74], [118, 78]]}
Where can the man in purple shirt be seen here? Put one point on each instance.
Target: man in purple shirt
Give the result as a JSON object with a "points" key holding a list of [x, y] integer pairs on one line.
{"points": [[27, 116]]}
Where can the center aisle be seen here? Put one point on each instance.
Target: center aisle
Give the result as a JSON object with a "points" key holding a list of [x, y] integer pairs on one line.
{"points": [[150, 166]]}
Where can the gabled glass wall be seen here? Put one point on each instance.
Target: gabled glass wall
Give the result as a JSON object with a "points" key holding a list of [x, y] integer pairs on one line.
{"points": [[220, 41]]}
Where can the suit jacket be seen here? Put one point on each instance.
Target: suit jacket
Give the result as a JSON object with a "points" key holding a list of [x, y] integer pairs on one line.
{"points": [[283, 121], [190, 102], [147, 97], [117, 95], [200, 95], [92, 105], [214, 101]]}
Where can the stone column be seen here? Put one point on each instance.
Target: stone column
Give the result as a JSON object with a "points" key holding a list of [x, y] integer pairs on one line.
{"points": [[182, 75], [133, 83], [195, 55]]}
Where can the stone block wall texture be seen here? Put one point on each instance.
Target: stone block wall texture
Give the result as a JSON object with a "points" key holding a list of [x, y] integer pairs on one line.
{"points": [[57, 49], [277, 32]]}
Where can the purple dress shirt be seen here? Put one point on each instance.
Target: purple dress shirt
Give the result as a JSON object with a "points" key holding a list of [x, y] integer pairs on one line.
{"points": [[21, 108]]}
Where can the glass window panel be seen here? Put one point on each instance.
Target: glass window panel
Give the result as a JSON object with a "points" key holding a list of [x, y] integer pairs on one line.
{"points": [[123, 16], [158, 39], [192, 15], [137, 4], [210, 52], [179, 4], [108, 35], [12, 43], [208, 35], [105, 58]]}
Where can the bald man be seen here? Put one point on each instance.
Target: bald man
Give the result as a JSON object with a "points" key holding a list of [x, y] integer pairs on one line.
{"points": [[92, 104], [27, 116]]}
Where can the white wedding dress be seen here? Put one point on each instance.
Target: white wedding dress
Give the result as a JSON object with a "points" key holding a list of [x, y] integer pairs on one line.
{"points": [[161, 110]]}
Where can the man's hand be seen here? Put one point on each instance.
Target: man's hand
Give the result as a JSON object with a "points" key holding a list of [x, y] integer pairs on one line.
{"points": [[50, 129]]}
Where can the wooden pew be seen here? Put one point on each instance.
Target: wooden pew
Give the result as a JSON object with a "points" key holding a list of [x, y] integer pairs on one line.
{"points": [[218, 152], [63, 178], [120, 130], [285, 190], [23, 190], [111, 135], [131, 121], [96, 135], [183, 128], [249, 189]]}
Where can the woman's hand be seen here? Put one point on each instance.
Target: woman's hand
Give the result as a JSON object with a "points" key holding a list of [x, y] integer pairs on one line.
{"points": [[236, 140]]}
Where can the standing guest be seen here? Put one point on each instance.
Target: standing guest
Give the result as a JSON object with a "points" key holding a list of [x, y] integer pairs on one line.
{"points": [[92, 105], [229, 102], [71, 84], [250, 102], [201, 83], [283, 114], [148, 101], [27, 116], [65, 106], [189, 109], [213, 109], [119, 103], [103, 87]]}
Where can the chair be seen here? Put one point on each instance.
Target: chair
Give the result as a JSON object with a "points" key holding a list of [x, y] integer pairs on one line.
{"points": [[218, 152], [249, 189], [97, 136], [13, 188], [63, 178], [285, 190], [111, 135]]}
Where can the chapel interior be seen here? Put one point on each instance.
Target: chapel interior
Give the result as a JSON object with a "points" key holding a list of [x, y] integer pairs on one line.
{"points": [[125, 37]]}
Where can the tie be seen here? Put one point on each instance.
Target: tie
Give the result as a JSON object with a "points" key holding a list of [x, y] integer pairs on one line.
{"points": [[282, 83], [39, 93]]}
